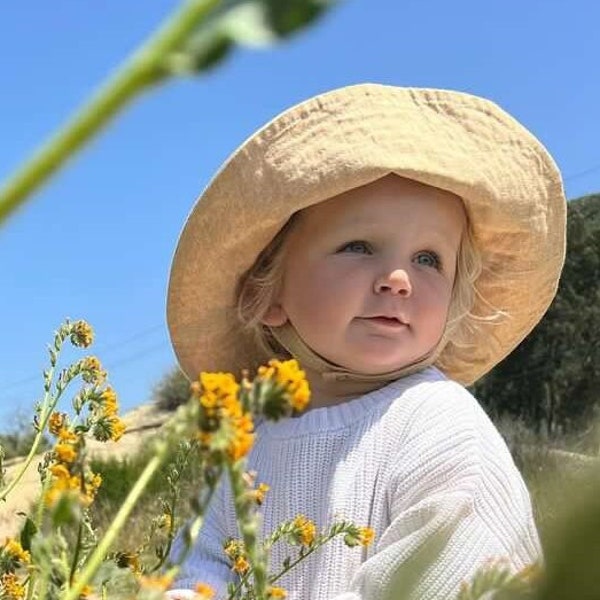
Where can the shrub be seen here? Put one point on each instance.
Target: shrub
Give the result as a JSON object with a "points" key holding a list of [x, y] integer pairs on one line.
{"points": [[172, 390]]}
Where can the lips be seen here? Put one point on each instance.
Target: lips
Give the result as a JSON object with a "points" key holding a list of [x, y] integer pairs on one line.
{"points": [[386, 321]]}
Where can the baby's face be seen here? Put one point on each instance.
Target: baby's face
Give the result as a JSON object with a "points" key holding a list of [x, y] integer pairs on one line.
{"points": [[368, 275]]}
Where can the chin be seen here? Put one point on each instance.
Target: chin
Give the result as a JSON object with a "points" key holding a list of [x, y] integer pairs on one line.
{"points": [[377, 368]]}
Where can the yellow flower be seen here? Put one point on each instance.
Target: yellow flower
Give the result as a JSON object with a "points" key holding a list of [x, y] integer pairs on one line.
{"points": [[242, 437], [236, 552], [276, 592], [218, 390], [365, 536], [129, 560], [234, 548], [304, 530], [91, 370], [258, 495], [156, 582], [109, 402], [60, 472], [65, 453], [109, 427], [82, 489], [293, 379], [94, 481], [15, 551], [240, 565], [66, 435], [218, 396], [53, 495], [86, 592], [87, 491], [12, 588], [82, 335], [56, 422], [359, 536], [203, 591], [166, 521], [75, 482], [117, 428]]}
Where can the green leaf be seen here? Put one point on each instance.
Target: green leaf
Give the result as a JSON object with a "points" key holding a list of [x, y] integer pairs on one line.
{"points": [[249, 25], [288, 16], [27, 533], [254, 23], [203, 51]]}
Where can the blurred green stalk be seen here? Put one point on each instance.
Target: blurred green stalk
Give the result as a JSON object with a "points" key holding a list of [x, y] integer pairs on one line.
{"points": [[141, 70]]}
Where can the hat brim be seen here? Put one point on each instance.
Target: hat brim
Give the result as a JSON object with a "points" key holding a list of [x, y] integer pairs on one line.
{"points": [[510, 186]]}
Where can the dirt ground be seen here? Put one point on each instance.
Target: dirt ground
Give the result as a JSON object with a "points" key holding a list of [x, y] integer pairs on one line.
{"points": [[141, 423]]}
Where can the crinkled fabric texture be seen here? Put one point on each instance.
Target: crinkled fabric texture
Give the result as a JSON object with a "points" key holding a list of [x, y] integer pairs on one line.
{"points": [[510, 186]]}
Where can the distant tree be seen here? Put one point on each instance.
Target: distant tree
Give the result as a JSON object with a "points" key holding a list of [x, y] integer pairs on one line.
{"points": [[16, 440], [172, 390], [552, 379]]}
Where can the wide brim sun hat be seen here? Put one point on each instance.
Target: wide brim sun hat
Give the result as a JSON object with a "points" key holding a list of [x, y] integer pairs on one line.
{"points": [[510, 186]]}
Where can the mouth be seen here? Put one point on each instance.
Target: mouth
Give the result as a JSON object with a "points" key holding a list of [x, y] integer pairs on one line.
{"points": [[385, 321]]}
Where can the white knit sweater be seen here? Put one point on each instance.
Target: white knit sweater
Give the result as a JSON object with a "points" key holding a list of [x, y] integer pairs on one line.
{"points": [[418, 461]]}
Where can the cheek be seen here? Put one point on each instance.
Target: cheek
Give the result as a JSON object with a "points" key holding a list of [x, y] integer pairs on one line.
{"points": [[436, 299], [320, 290]]}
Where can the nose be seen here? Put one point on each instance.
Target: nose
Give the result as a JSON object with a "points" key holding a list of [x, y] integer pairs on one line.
{"points": [[394, 282]]}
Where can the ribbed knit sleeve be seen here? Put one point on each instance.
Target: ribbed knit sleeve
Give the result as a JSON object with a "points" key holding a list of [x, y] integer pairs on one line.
{"points": [[457, 503]]}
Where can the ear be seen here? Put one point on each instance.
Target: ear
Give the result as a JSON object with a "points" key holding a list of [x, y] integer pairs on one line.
{"points": [[275, 316]]}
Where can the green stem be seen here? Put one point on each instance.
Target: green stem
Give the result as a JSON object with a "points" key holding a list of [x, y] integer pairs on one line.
{"points": [[43, 589], [242, 582], [142, 69], [41, 507], [322, 542], [76, 554], [31, 584], [117, 524], [193, 531], [48, 405], [248, 526], [174, 500]]}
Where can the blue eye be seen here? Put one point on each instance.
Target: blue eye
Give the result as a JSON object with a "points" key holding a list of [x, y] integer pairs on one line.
{"points": [[356, 247], [428, 259]]}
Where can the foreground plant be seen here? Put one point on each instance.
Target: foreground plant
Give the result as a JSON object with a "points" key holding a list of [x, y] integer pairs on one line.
{"points": [[497, 581], [44, 561], [225, 415], [197, 36], [59, 554]]}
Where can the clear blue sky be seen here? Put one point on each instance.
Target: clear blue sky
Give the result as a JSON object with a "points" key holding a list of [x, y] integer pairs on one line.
{"points": [[96, 243]]}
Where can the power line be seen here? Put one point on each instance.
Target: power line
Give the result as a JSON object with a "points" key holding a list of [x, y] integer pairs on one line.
{"points": [[582, 173], [132, 338], [103, 348], [110, 368], [133, 357]]}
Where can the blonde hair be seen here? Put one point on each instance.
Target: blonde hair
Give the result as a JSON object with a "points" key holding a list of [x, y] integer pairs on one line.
{"points": [[260, 285], [257, 289]]}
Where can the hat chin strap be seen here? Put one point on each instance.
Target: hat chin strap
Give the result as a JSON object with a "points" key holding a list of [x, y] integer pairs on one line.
{"points": [[351, 382]]}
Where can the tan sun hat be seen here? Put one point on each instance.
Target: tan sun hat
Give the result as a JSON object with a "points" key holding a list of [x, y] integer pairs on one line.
{"points": [[349, 137]]}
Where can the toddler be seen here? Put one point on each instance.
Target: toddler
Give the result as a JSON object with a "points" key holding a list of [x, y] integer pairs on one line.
{"points": [[399, 243]]}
